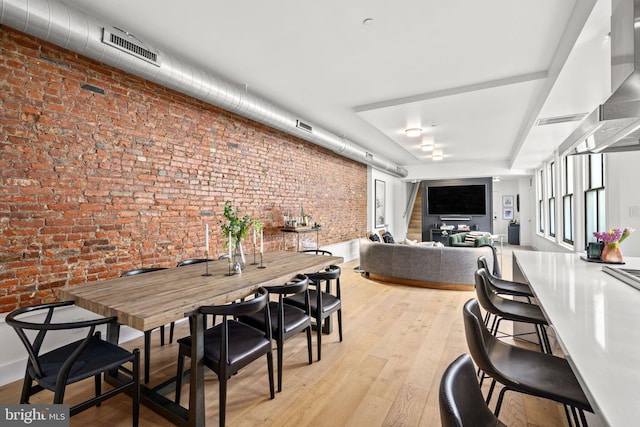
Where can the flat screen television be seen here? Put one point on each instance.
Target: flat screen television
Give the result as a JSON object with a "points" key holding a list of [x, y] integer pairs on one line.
{"points": [[457, 200]]}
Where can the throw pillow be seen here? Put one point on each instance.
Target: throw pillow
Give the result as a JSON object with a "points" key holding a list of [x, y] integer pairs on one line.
{"points": [[374, 237], [427, 244], [470, 238], [388, 238], [410, 242]]}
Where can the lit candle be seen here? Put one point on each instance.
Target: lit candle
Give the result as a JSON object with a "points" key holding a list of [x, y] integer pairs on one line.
{"points": [[206, 238], [261, 243]]}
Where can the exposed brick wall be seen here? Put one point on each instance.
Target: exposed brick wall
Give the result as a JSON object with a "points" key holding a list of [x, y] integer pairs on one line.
{"points": [[92, 185]]}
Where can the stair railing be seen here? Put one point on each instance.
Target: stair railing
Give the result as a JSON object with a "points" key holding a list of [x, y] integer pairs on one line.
{"points": [[413, 193]]}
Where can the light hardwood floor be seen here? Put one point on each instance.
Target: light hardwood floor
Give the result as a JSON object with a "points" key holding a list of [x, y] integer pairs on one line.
{"points": [[397, 342]]}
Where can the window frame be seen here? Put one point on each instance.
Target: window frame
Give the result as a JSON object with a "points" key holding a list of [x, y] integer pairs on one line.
{"points": [[595, 187], [541, 224], [551, 200], [568, 200]]}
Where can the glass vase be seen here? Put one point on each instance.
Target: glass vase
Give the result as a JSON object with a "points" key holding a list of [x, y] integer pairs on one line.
{"points": [[239, 254], [611, 253]]}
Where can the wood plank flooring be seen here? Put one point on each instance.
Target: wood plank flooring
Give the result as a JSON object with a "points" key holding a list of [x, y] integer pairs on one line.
{"points": [[397, 342]]}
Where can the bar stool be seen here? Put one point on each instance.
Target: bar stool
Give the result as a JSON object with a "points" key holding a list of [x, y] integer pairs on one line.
{"points": [[522, 370], [516, 311], [503, 286], [460, 398]]}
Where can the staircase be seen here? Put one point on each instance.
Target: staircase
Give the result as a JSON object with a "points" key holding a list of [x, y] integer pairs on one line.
{"points": [[414, 231]]}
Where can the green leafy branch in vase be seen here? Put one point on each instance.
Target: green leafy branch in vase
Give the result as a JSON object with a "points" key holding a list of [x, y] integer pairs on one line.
{"points": [[234, 225]]}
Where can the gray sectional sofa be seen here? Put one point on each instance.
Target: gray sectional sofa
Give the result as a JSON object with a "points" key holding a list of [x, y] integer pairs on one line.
{"points": [[419, 265]]}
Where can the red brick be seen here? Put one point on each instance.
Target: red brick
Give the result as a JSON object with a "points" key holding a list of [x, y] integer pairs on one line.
{"points": [[97, 185]]}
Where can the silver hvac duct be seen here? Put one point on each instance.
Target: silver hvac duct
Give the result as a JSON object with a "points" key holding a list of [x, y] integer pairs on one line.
{"points": [[71, 29]]}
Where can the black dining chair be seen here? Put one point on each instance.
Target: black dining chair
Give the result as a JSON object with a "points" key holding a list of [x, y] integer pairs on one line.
{"points": [[147, 334], [460, 398], [190, 261], [323, 303], [87, 357], [231, 345], [522, 370], [286, 320], [316, 252]]}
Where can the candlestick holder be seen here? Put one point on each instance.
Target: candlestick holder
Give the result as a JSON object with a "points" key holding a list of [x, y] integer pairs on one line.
{"points": [[232, 270], [261, 266], [254, 255], [206, 264]]}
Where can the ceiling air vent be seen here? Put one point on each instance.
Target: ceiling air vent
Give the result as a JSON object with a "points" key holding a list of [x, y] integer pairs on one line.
{"points": [[303, 126], [128, 43], [561, 119]]}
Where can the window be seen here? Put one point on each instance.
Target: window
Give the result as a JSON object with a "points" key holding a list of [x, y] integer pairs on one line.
{"points": [[567, 200], [541, 201], [551, 191], [594, 196]]}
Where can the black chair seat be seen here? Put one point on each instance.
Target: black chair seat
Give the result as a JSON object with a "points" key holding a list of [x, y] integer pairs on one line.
{"points": [[520, 311], [511, 288], [520, 370], [98, 357], [295, 319], [329, 302], [245, 342]]}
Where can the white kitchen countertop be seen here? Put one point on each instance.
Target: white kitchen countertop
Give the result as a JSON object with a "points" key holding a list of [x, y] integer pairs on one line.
{"points": [[597, 321]]}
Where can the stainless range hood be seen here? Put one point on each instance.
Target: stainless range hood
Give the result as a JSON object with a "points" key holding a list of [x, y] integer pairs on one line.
{"points": [[615, 125]]}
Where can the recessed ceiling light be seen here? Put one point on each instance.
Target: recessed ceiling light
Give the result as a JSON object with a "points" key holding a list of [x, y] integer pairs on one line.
{"points": [[367, 21], [437, 155], [413, 132]]}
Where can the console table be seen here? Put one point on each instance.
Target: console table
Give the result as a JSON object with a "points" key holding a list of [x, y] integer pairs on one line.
{"points": [[298, 231]]}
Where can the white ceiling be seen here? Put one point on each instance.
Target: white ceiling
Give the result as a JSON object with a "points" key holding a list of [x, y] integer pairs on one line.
{"points": [[481, 72]]}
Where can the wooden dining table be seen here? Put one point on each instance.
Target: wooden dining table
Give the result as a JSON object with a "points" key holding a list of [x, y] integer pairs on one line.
{"points": [[147, 301]]}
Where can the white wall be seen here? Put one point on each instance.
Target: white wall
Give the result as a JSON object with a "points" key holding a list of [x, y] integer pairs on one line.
{"points": [[396, 198], [622, 175], [504, 187]]}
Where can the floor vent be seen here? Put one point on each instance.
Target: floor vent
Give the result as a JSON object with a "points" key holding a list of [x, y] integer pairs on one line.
{"points": [[561, 119], [128, 43], [303, 126]]}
